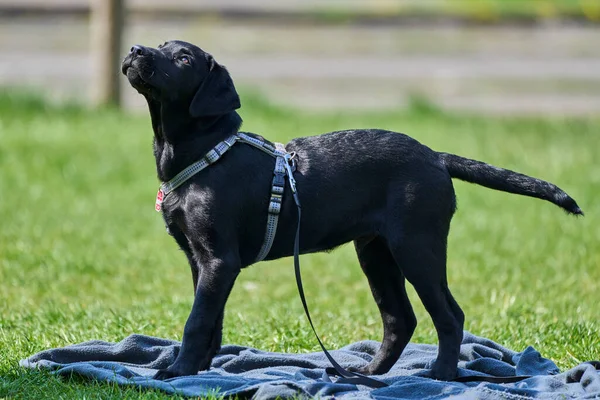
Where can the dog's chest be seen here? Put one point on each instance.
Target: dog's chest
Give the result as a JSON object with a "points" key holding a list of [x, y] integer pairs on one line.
{"points": [[190, 209]]}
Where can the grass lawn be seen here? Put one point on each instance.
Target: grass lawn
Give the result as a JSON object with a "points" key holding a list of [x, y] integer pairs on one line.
{"points": [[83, 254]]}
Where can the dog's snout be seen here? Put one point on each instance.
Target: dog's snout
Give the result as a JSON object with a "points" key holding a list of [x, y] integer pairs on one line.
{"points": [[138, 50]]}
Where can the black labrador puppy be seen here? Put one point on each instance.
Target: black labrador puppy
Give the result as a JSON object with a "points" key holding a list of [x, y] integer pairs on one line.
{"points": [[383, 190]]}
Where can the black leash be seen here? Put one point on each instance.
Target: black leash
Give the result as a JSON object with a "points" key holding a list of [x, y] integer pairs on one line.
{"points": [[349, 377], [508, 379], [346, 376]]}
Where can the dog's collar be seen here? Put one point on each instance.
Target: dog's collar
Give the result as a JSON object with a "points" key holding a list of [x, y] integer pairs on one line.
{"points": [[210, 158]]}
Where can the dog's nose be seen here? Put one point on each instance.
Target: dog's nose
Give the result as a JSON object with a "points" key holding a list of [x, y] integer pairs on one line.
{"points": [[138, 50]]}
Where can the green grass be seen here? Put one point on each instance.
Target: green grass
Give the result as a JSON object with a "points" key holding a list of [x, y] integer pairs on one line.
{"points": [[83, 254]]}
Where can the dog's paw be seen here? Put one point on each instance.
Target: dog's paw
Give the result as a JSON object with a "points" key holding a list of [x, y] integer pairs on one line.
{"points": [[181, 369], [163, 374], [442, 373], [360, 370], [367, 370], [372, 368], [174, 371]]}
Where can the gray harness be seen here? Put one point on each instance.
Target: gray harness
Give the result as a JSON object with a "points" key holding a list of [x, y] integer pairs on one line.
{"points": [[284, 165]]}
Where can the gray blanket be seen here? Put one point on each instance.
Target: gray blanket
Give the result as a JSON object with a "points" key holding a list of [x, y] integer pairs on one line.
{"points": [[248, 372]]}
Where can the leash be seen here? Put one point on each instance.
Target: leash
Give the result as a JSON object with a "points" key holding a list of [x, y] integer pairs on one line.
{"points": [[508, 379], [347, 376]]}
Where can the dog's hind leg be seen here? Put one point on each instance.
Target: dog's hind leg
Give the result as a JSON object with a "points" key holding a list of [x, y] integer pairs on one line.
{"points": [[388, 287], [422, 258]]}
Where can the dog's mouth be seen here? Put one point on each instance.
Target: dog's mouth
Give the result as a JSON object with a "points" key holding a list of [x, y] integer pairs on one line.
{"points": [[139, 76]]}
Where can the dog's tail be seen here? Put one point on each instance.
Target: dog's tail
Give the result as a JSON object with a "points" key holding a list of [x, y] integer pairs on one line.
{"points": [[507, 181]]}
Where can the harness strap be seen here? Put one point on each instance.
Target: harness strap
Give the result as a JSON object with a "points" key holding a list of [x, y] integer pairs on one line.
{"points": [[210, 158], [277, 150], [277, 189]]}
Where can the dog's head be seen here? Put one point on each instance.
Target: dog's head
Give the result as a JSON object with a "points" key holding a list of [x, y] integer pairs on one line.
{"points": [[180, 72]]}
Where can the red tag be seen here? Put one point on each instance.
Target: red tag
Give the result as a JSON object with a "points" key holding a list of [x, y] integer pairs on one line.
{"points": [[159, 199]]}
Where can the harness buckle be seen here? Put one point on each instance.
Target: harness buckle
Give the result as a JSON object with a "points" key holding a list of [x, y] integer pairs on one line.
{"points": [[279, 180], [231, 139], [289, 162]]}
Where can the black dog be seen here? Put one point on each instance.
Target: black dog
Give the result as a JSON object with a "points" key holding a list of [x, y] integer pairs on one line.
{"points": [[385, 191]]}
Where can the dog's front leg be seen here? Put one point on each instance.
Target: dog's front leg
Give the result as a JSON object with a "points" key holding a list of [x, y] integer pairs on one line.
{"points": [[217, 277], [184, 245]]}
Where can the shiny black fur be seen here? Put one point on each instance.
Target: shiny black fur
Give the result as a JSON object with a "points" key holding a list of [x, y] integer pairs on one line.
{"points": [[385, 191]]}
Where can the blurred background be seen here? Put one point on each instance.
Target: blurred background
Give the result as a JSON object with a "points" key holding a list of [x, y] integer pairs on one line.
{"points": [[83, 254], [497, 56]]}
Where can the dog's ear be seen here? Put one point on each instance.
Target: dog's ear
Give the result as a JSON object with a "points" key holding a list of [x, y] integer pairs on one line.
{"points": [[216, 95]]}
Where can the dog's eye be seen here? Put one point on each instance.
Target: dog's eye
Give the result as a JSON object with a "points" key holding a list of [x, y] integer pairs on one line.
{"points": [[184, 59]]}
